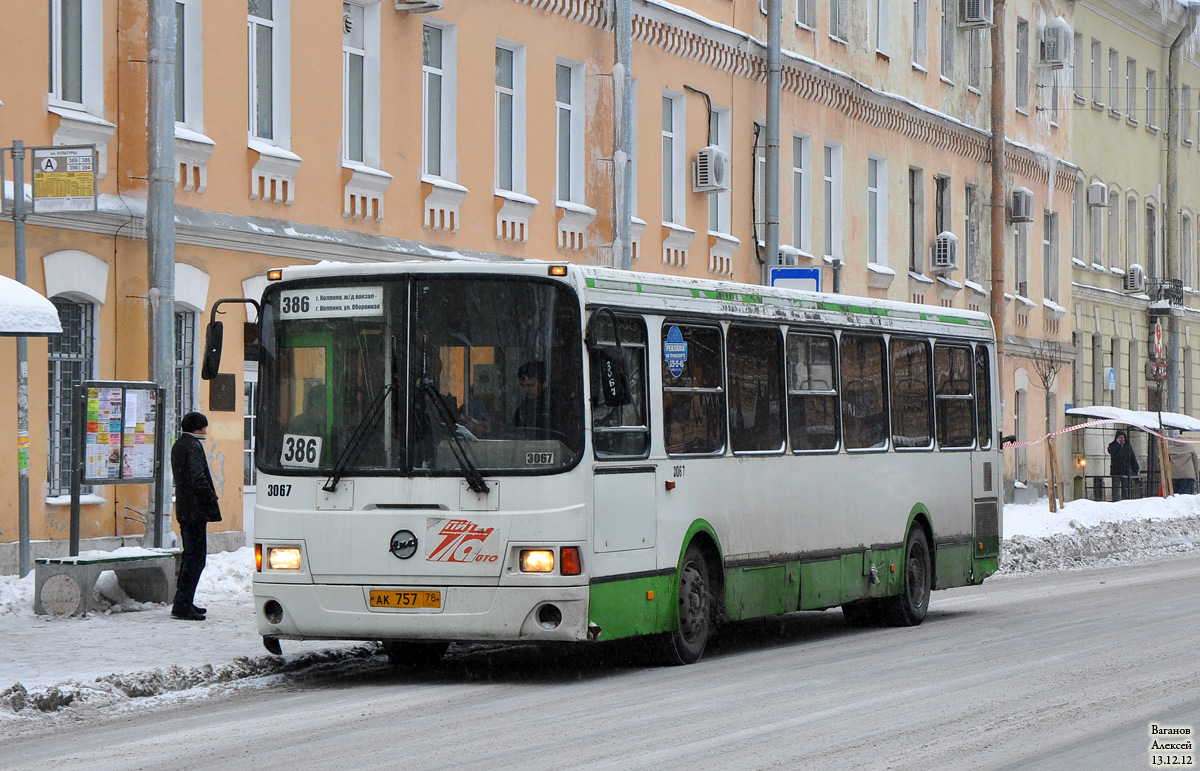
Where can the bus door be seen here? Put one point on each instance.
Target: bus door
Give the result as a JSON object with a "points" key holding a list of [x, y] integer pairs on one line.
{"points": [[624, 485]]}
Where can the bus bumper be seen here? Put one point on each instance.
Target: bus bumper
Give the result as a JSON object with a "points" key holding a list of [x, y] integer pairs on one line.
{"points": [[468, 613]]}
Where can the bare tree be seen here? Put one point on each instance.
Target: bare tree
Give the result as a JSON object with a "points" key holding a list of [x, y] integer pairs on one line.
{"points": [[1048, 357]]}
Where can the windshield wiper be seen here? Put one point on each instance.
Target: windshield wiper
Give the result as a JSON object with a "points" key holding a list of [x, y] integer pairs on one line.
{"points": [[450, 427], [358, 439]]}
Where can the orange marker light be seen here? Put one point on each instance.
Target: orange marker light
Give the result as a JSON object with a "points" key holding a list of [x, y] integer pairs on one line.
{"points": [[258, 557], [274, 274], [670, 485], [558, 270], [571, 564], [650, 595]]}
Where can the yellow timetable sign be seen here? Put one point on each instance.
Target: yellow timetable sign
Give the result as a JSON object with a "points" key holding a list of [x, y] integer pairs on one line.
{"points": [[64, 179]]}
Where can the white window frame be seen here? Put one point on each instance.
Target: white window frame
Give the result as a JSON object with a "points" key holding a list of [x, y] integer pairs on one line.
{"points": [[1096, 234], [1050, 255], [1131, 230], [1113, 229], [920, 52], [674, 144], [877, 208], [806, 13], [279, 132], [880, 26], [1077, 65], [1186, 244], [1114, 90], [971, 229], [916, 220], [517, 130], [837, 20], [1153, 242], [1021, 260], [833, 200], [185, 348], [1021, 97], [1151, 98], [88, 94], [949, 27], [570, 163], [720, 205], [975, 49], [1096, 78], [802, 193], [438, 138], [1131, 89], [1185, 114]]}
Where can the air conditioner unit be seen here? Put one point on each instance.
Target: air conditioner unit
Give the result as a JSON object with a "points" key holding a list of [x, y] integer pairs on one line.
{"points": [[943, 257], [419, 6], [1097, 194], [1021, 209], [1135, 279], [1056, 44], [710, 171], [975, 13]]}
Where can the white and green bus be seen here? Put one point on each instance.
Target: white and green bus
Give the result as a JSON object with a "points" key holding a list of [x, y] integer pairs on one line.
{"points": [[534, 452]]}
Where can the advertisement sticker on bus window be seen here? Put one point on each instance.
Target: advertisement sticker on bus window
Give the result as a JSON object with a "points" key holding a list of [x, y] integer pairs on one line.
{"points": [[300, 451], [675, 351], [331, 302]]}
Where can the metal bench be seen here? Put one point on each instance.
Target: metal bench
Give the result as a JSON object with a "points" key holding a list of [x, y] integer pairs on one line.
{"points": [[66, 586]]}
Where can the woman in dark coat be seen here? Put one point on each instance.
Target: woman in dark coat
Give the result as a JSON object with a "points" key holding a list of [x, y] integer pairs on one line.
{"points": [[1123, 465]]}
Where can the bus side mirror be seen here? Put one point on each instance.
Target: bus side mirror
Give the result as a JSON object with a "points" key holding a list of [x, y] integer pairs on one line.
{"points": [[614, 385], [213, 337]]}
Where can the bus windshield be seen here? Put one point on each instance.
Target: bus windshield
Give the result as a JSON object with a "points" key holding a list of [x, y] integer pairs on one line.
{"points": [[420, 375]]}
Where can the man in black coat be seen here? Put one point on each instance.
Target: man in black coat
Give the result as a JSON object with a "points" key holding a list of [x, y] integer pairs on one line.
{"points": [[196, 504], [1124, 465]]}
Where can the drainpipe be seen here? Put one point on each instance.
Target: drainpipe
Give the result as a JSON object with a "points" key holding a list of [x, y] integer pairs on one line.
{"points": [[160, 237], [774, 81], [1170, 203], [998, 208], [623, 135]]}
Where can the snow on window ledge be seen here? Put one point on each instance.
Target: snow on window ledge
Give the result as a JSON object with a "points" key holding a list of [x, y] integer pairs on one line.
{"points": [[721, 249], [676, 241], [273, 177], [573, 221], [880, 276], [76, 127], [512, 216]]}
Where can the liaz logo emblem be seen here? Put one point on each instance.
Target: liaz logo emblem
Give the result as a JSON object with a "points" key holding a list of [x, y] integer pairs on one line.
{"points": [[462, 541]]}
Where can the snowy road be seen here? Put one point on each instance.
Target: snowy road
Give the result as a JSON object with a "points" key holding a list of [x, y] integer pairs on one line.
{"points": [[1051, 670]]}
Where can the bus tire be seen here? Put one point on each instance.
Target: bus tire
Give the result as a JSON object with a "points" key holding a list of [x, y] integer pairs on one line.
{"points": [[686, 644], [911, 605], [406, 653]]}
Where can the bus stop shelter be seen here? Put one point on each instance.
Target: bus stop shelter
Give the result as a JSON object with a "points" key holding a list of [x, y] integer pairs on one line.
{"points": [[1091, 450]]}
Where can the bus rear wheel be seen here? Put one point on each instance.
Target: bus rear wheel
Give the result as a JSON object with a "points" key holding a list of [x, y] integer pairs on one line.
{"points": [[911, 606], [686, 644], [406, 653]]}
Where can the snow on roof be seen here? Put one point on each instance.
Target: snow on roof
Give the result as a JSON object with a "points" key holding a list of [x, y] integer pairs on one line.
{"points": [[24, 312], [1139, 418]]}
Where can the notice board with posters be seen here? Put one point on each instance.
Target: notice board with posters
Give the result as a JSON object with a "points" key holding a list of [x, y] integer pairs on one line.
{"points": [[121, 429]]}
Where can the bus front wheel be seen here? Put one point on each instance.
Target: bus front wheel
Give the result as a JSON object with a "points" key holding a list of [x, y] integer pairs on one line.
{"points": [[910, 607], [686, 644]]}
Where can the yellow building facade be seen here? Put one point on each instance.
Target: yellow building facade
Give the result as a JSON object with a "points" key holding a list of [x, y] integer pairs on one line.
{"points": [[484, 129]]}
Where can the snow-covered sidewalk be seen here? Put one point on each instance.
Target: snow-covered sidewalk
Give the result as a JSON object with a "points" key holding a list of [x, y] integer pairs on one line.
{"points": [[134, 649]]}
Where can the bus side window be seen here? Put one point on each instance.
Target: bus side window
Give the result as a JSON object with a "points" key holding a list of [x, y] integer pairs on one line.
{"points": [[911, 391], [621, 431], [953, 377], [812, 392], [755, 362], [864, 392], [693, 399]]}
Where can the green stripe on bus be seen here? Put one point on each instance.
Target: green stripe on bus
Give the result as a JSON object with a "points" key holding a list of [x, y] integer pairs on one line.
{"points": [[757, 299], [634, 607]]}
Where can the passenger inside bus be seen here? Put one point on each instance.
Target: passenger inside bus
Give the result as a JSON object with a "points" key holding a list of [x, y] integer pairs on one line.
{"points": [[534, 413], [310, 422]]}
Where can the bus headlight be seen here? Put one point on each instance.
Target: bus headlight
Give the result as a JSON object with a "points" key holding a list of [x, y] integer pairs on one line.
{"points": [[283, 557], [537, 560]]}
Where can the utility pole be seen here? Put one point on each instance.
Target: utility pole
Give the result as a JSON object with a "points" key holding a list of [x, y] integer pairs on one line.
{"points": [[160, 234], [771, 183], [998, 207], [623, 135]]}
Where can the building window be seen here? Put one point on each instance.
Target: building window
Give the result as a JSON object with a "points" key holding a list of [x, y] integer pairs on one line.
{"points": [[1185, 249], [568, 108], [71, 356], [1022, 64], [1113, 88], [719, 134], [1096, 63], [1131, 231], [510, 117], [801, 194], [920, 33], [1154, 268], [66, 51], [185, 362], [948, 30], [916, 220], [833, 201], [1021, 259], [434, 92], [971, 217], [1096, 232], [837, 20], [249, 410], [941, 204], [881, 26], [1151, 97], [353, 71], [1185, 114], [260, 35], [1131, 88], [1114, 228], [672, 158], [975, 47], [806, 13], [877, 211], [1050, 255]]}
